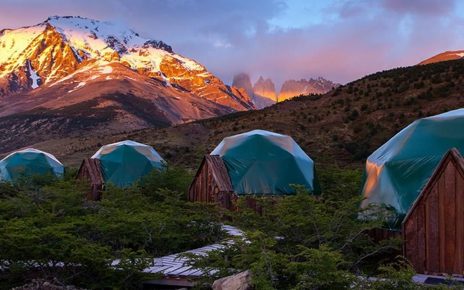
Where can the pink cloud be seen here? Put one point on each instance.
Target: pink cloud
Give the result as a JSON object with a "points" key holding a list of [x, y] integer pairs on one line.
{"points": [[356, 37]]}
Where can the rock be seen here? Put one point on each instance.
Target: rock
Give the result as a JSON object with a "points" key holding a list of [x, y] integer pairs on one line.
{"points": [[242, 80], [39, 284], [240, 281], [262, 93], [265, 88]]}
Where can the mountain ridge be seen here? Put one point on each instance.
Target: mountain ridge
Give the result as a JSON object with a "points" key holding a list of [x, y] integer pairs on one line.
{"points": [[293, 88], [264, 93]]}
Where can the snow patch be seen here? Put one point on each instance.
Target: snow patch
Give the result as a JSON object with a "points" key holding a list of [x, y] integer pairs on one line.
{"points": [[81, 70], [166, 80], [130, 78], [79, 85], [99, 38], [33, 75], [79, 58], [106, 69], [71, 27], [13, 42], [145, 58]]}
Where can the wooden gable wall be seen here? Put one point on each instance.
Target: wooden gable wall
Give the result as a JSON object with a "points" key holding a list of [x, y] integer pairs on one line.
{"points": [[433, 230]]}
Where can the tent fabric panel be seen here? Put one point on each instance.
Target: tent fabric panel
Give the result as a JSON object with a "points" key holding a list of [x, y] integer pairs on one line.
{"points": [[399, 169], [265, 163], [125, 162], [29, 162]]}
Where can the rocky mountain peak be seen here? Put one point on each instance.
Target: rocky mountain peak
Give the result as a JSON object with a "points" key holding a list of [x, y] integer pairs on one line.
{"points": [[242, 80], [292, 88], [265, 88], [263, 93]]}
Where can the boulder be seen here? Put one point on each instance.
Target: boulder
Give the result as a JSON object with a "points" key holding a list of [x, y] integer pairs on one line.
{"points": [[240, 281], [40, 284]]}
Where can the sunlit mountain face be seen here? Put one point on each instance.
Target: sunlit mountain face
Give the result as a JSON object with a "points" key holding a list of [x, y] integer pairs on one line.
{"points": [[74, 73], [444, 56], [45, 54]]}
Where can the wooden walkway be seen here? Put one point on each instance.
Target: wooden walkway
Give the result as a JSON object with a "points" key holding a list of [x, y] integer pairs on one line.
{"points": [[175, 265]]}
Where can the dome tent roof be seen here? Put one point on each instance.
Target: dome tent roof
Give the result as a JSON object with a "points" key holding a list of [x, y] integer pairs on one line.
{"points": [[127, 161], [28, 162], [262, 162], [398, 170]]}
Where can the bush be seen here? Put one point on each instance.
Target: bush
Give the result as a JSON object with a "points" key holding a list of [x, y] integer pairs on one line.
{"points": [[353, 115], [48, 229], [301, 242], [175, 179]]}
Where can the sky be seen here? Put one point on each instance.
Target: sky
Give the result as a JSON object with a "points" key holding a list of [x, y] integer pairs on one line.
{"points": [[341, 40]]}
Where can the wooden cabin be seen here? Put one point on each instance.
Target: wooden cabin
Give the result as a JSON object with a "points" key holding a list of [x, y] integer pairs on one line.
{"points": [[90, 171], [212, 183], [380, 234], [433, 230]]}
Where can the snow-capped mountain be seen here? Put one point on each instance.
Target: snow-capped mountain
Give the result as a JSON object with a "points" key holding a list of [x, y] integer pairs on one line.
{"points": [[69, 66], [444, 56]]}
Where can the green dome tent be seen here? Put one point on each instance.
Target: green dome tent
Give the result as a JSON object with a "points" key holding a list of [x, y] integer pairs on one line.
{"points": [[125, 162], [262, 162], [29, 162], [398, 170]]}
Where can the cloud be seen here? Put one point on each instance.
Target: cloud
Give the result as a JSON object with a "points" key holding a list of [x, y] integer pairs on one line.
{"points": [[421, 7], [340, 39]]}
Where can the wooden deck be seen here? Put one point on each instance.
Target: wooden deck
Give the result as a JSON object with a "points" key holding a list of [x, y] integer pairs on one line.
{"points": [[175, 265]]}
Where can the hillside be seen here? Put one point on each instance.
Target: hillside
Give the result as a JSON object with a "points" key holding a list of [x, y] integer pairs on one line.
{"points": [[444, 56], [342, 127]]}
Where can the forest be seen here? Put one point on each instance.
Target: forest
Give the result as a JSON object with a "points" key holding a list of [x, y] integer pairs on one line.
{"points": [[50, 231]]}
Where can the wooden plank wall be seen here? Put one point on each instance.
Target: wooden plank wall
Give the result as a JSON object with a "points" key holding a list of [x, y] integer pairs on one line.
{"points": [[212, 184], [434, 229], [380, 234], [90, 171]]}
